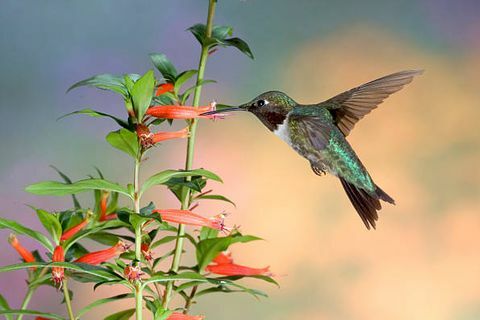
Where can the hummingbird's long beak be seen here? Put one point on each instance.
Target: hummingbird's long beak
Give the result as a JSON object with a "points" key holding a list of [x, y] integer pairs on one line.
{"points": [[225, 109]]}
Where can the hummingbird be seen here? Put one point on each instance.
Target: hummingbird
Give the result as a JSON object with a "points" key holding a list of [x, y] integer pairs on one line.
{"points": [[318, 133]]}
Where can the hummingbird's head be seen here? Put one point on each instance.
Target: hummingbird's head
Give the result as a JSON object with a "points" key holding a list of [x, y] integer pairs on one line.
{"points": [[270, 107]]}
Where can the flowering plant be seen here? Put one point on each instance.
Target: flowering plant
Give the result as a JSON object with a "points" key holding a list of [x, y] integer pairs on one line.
{"points": [[133, 233]]}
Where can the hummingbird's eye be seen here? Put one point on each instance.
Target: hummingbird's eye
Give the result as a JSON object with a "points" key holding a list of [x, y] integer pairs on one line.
{"points": [[261, 103]]}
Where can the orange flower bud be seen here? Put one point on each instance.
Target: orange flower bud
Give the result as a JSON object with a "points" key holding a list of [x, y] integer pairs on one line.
{"points": [[164, 88], [191, 218], [73, 230], [98, 257], [103, 205], [181, 316], [26, 255], [58, 272]]}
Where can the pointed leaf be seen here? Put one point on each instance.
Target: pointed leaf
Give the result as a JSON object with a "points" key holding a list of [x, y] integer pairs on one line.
{"points": [[164, 65], [55, 188], [4, 306], [215, 197], [164, 176], [104, 82], [99, 302], [76, 204], [240, 45], [208, 249], [52, 316], [20, 229], [182, 78], [122, 315], [50, 223], [124, 140], [97, 114], [142, 93], [186, 276]]}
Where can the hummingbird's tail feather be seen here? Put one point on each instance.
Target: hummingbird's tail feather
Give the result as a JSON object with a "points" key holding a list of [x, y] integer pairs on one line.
{"points": [[383, 195], [366, 204]]}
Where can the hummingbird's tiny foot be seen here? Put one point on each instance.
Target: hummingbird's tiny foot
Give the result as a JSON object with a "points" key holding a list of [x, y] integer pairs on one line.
{"points": [[318, 171]]}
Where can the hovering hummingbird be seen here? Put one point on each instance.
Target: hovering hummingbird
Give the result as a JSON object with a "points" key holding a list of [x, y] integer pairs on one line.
{"points": [[317, 132]]}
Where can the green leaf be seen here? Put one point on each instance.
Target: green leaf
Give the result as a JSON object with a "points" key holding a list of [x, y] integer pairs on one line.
{"points": [[99, 302], [81, 267], [4, 306], [20, 229], [142, 93], [105, 238], [164, 240], [215, 197], [104, 82], [55, 188], [240, 45], [221, 32], [124, 140], [98, 114], [50, 223], [164, 176], [52, 316], [164, 65], [122, 315], [182, 78], [185, 276], [208, 249], [207, 233], [76, 204]]}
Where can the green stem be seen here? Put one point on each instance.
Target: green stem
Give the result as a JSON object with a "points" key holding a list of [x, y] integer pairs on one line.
{"points": [[68, 302], [190, 152], [30, 291], [138, 239]]}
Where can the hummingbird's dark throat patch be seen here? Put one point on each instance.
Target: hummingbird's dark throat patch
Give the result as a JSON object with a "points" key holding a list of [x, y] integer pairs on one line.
{"points": [[271, 119]]}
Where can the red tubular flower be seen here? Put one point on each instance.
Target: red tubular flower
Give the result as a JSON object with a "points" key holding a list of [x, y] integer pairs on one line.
{"points": [[73, 230], [164, 88], [181, 316], [148, 139], [182, 112], [223, 258], [162, 136], [41, 318], [192, 219], [58, 272], [98, 257], [224, 266], [26, 255], [231, 269]]}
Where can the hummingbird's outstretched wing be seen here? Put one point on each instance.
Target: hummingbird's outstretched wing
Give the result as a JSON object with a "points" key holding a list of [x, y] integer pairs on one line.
{"points": [[352, 105]]}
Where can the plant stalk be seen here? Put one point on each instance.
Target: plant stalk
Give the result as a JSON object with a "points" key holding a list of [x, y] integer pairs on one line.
{"points": [[190, 151], [138, 239], [30, 292], [68, 301], [189, 301]]}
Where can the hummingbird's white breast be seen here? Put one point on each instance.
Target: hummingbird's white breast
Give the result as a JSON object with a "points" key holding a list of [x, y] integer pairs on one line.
{"points": [[283, 132]]}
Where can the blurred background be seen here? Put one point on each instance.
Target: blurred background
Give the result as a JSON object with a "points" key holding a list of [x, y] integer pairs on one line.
{"points": [[422, 145]]}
